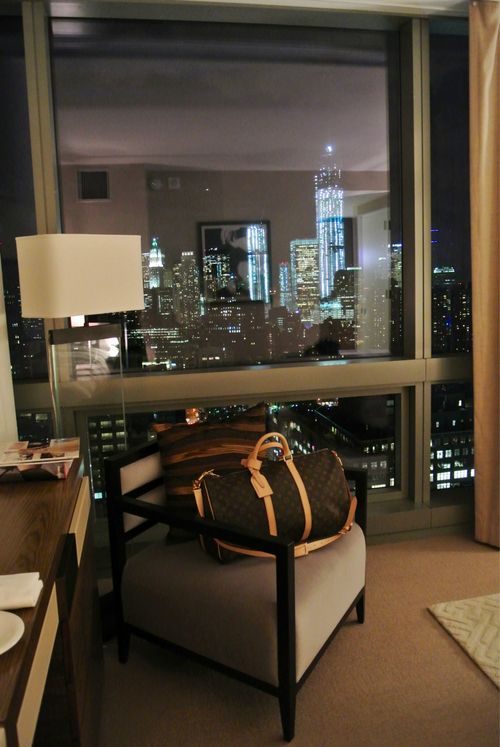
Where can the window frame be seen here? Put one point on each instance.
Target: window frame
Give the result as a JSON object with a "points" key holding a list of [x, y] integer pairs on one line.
{"points": [[411, 376]]}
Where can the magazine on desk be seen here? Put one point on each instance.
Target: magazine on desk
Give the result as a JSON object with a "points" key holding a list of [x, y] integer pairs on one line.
{"points": [[37, 460]]}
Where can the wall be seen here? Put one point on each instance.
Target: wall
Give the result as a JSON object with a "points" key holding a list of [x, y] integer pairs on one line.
{"points": [[124, 213], [171, 204]]}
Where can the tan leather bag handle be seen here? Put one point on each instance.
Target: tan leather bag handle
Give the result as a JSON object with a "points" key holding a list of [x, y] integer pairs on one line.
{"points": [[264, 490]]}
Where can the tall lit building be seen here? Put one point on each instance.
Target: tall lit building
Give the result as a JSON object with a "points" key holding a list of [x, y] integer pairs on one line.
{"points": [[236, 329], [304, 275], [26, 335], [396, 295], [373, 309], [346, 295], [452, 436], [346, 291], [451, 312], [285, 285], [443, 282], [165, 303], [186, 279], [156, 268], [258, 264], [145, 269], [216, 274], [329, 198]]}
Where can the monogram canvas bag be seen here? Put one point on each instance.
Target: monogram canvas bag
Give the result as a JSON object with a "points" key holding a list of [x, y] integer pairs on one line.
{"points": [[301, 498]]}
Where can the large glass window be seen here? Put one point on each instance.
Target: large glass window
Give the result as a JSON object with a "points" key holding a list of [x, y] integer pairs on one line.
{"points": [[254, 162], [364, 431], [451, 272], [452, 436], [17, 208]]}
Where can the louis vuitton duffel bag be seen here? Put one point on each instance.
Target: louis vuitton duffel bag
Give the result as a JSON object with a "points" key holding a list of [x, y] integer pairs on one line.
{"points": [[302, 498]]}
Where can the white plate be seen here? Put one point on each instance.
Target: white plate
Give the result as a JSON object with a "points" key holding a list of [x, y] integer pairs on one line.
{"points": [[11, 630]]}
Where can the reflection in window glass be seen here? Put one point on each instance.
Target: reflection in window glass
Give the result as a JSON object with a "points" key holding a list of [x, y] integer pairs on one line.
{"points": [[254, 163], [452, 436], [34, 426], [106, 433], [451, 274], [17, 208], [360, 429]]}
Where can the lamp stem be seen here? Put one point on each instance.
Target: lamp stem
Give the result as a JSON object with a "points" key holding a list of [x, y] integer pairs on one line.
{"points": [[54, 392], [122, 392]]}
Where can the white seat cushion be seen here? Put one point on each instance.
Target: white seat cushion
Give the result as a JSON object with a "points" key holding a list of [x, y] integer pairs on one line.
{"points": [[228, 612]]}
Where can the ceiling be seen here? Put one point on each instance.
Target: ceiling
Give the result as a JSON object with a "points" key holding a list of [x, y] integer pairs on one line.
{"points": [[222, 97], [232, 116], [251, 103], [187, 8]]}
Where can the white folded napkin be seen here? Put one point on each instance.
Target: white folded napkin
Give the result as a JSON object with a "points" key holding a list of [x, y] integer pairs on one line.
{"points": [[18, 590]]}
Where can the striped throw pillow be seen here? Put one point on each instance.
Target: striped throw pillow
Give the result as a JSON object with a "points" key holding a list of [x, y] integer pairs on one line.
{"points": [[189, 450]]}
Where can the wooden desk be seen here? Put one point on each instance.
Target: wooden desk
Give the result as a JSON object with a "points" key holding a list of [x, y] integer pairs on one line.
{"points": [[46, 527]]}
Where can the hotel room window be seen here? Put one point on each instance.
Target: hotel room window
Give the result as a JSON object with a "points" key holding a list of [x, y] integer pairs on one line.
{"points": [[255, 163], [17, 207], [352, 426], [452, 436], [450, 219]]}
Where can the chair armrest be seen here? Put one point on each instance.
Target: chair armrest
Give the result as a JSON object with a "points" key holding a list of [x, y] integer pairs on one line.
{"points": [[207, 527], [360, 479]]}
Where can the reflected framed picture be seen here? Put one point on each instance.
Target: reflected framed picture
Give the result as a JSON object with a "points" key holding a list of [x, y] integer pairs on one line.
{"points": [[235, 260]]}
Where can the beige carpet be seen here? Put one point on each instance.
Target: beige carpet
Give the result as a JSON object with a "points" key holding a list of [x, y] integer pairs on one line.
{"points": [[475, 625], [397, 681]]}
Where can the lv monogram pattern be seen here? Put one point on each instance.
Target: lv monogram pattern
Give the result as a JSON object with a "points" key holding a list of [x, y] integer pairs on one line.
{"points": [[232, 499]]}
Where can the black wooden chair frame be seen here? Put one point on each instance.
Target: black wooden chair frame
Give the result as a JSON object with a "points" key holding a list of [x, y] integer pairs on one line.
{"points": [[119, 503]]}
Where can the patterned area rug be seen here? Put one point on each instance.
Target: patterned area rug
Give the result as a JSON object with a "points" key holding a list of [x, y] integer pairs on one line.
{"points": [[475, 625]]}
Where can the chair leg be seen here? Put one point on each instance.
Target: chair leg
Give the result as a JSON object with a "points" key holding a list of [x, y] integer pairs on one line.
{"points": [[287, 710], [123, 643], [360, 608]]}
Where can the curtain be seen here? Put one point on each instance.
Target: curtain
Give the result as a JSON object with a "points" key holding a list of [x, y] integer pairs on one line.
{"points": [[484, 82]]}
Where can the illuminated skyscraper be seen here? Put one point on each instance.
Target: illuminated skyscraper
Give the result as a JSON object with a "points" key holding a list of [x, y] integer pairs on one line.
{"points": [[347, 294], [304, 272], [156, 268], [396, 294], [451, 312], [216, 274], [186, 278], [145, 269], [346, 291], [235, 328], [285, 285], [329, 198], [258, 265]]}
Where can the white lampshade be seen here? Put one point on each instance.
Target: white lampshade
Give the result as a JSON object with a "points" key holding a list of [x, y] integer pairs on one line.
{"points": [[67, 274]]}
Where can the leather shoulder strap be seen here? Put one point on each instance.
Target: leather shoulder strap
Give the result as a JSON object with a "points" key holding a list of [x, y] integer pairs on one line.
{"points": [[304, 498]]}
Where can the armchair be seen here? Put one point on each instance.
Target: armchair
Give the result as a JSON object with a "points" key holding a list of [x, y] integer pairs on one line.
{"points": [[263, 621]]}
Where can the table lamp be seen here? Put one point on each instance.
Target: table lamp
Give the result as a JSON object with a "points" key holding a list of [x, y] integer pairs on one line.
{"points": [[67, 275]]}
